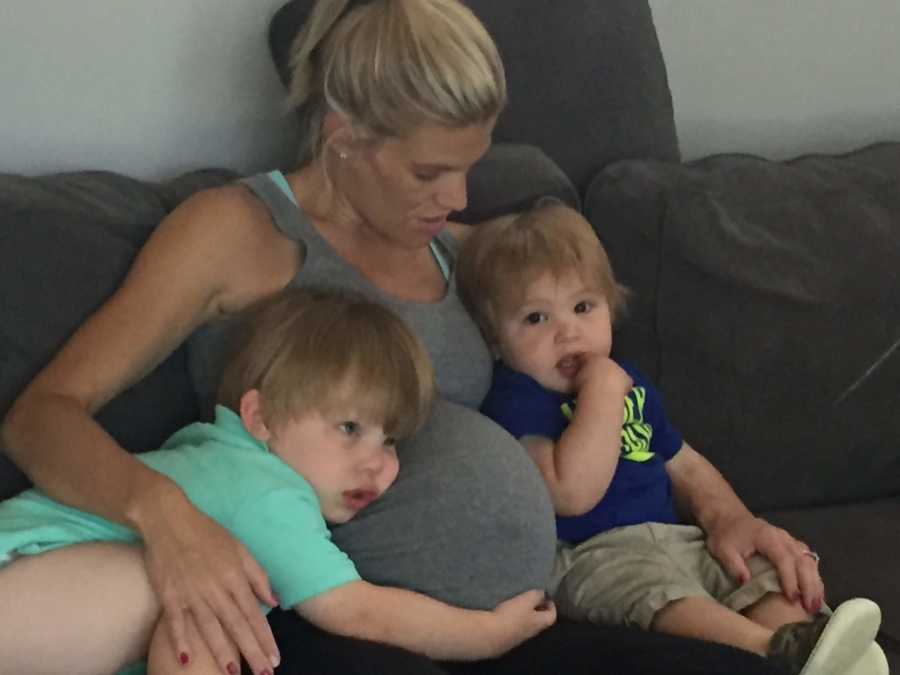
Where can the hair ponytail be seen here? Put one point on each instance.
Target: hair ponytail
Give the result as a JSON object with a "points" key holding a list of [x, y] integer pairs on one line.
{"points": [[325, 13], [391, 65]]}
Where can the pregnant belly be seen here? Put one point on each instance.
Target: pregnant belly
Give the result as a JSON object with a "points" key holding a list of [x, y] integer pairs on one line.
{"points": [[468, 521]]}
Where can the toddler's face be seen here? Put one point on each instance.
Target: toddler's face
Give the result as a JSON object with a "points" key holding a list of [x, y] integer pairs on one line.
{"points": [[348, 461], [560, 323]]}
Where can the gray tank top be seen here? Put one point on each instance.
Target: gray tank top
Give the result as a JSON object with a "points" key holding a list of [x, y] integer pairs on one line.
{"points": [[469, 520]]}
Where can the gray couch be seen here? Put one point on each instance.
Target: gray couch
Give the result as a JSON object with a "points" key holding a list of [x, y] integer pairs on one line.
{"points": [[765, 294]]}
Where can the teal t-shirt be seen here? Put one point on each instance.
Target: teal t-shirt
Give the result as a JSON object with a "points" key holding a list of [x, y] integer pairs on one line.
{"points": [[232, 477]]}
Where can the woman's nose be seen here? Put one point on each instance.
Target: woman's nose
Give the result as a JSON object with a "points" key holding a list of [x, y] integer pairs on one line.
{"points": [[453, 195]]}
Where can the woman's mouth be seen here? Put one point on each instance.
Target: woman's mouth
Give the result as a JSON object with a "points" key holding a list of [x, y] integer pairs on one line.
{"points": [[435, 225]]}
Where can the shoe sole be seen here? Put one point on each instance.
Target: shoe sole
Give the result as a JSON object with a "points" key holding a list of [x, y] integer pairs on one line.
{"points": [[872, 662], [847, 636]]}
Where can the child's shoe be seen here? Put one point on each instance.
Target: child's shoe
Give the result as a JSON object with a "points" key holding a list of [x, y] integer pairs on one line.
{"points": [[872, 662], [827, 645]]}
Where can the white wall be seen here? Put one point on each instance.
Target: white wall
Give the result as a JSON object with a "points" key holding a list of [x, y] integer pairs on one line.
{"points": [[781, 77], [153, 87], [147, 87]]}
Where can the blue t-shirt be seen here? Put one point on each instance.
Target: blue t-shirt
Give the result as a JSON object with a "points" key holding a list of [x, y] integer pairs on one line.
{"points": [[640, 490]]}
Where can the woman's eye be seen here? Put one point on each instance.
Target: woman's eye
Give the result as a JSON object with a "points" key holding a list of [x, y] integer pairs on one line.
{"points": [[349, 428], [535, 317], [425, 176], [584, 306]]}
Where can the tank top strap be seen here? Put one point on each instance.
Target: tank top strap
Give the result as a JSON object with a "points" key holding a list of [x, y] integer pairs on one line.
{"points": [[444, 249], [272, 189]]}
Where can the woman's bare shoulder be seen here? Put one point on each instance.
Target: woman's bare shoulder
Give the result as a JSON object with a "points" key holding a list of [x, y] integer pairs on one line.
{"points": [[220, 211], [229, 230]]}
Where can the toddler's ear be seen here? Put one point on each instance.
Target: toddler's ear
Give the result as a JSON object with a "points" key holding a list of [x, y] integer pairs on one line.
{"points": [[252, 415], [495, 350]]}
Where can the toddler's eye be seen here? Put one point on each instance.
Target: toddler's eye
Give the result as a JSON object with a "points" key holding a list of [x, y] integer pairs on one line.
{"points": [[350, 428], [535, 317], [584, 306], [390, 442]]}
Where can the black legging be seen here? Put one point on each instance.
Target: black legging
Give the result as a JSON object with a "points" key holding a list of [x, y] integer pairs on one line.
{"points": [[567, 648]]}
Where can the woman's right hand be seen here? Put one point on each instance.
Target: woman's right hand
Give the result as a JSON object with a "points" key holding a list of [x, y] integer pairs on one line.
{"points": [[520, 618], [197, 567]]}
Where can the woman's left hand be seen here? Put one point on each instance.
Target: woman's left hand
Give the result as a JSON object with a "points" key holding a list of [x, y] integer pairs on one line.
{"points": [[733, 542]]}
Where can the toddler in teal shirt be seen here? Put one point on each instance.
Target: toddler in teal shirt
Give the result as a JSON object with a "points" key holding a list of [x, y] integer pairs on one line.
{"points": [[319, 387]]}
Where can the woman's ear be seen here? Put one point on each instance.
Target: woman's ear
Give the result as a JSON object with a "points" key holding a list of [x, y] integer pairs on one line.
{"points": [[252, 415], [338, 134]]}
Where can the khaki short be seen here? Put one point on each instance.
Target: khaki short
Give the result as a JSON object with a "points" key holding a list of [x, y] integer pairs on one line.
{"points": [[626, 575]]}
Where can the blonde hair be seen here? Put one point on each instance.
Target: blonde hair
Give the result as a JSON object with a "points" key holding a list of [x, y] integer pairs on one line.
{"points": [[501, 258], [389, 66], [314, 350]]}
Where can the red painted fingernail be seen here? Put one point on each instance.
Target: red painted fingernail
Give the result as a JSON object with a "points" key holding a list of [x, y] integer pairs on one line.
{"points": [[184, 658], [232, 669]]}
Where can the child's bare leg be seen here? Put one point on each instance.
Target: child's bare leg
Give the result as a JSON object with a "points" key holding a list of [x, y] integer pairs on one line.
{"points": [[706, 619], [774, 610], [163, 659], [79, 610]]}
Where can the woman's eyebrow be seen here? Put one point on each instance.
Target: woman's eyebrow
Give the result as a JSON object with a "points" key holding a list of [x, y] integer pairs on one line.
{"points": [[434, 167]]}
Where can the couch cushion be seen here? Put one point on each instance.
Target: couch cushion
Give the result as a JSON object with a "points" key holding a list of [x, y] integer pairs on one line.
{"points": [[510, 178], [587, 82], [856, 543], [767, 310], [66, 242]]}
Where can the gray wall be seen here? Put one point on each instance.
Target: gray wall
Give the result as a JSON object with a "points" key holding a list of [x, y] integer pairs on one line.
{"points": [[781, 77], [147, 87], [154, 87]]}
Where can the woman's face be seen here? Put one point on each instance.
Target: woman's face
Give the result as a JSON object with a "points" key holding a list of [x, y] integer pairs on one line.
{"points": [[404, 189]]}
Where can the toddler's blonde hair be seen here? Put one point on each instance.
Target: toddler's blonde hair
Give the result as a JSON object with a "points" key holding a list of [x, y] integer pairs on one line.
{"points": [[501, 258], [308, 350]]}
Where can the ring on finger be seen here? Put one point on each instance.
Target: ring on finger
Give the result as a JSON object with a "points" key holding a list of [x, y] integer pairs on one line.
{"points": [[812, 554]]}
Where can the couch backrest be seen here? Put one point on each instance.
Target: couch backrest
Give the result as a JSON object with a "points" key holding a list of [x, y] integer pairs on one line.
{"points": [[766, 308], [66, 242], [587, 82]]}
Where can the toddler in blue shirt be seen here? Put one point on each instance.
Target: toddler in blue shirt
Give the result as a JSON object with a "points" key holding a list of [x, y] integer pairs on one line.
{"points": [[542, 289]]}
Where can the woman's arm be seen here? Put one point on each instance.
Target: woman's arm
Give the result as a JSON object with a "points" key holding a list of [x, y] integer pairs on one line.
{"points": [[734, 534], [206, 258], [418, 623]]}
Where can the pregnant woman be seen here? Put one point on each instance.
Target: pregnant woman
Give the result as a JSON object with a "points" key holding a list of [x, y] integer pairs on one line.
{"points": [[398, 99]]}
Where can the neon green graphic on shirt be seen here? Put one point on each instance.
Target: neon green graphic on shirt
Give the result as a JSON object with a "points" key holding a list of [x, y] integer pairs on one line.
{"points": [[636, 433]]}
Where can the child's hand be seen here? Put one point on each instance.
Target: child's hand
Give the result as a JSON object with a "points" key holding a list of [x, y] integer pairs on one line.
{"points": [[603, 376], [520, 618]]}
